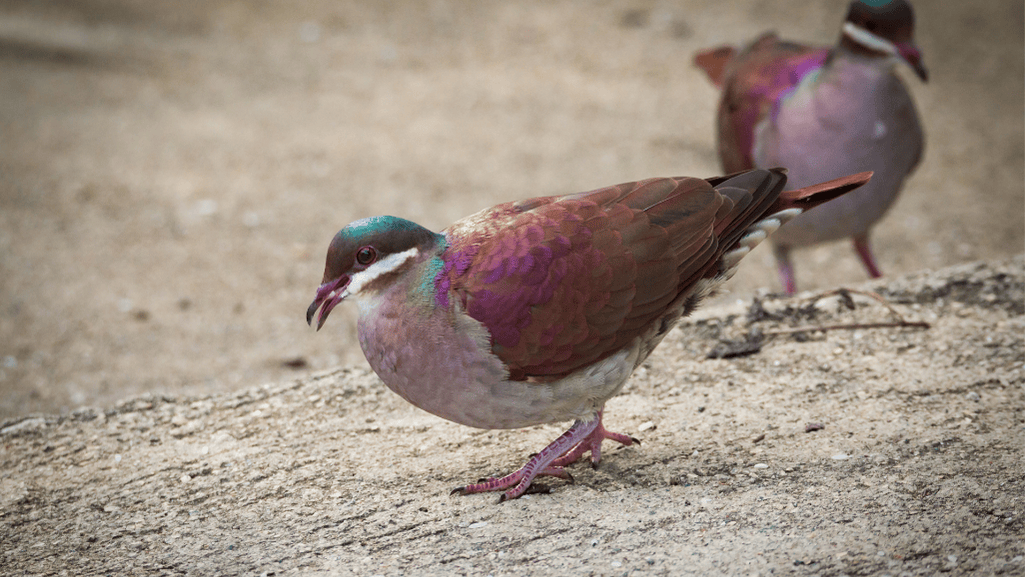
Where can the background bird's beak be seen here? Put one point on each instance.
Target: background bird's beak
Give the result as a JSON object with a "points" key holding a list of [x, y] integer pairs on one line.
{"points": [[913, 56], [329, 294]]}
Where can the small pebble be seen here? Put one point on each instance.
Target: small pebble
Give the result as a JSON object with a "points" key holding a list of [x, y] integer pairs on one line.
{"points": [[206, 207], [647, 426], [841, 457], [309, 32], [761, 466], [973, 396], [478, 524]]}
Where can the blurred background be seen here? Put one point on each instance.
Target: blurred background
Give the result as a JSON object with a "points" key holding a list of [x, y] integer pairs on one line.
{"points": [[171, 172]]}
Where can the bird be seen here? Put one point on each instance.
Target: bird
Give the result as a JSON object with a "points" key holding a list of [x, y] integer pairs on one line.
{"points": [[537, 311], [824, 112]]}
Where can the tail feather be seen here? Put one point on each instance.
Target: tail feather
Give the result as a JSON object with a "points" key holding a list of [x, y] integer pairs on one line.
{"points": [[786, 206], [714, 62], [809, 197]]}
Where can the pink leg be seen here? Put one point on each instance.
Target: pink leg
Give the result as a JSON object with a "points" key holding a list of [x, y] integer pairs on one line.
{"points": [[583, 436], [593, 444], [786, 270], [865, 252]]}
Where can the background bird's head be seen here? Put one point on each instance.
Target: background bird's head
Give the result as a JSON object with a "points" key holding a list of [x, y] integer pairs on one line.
{"points": [[885, 26]]}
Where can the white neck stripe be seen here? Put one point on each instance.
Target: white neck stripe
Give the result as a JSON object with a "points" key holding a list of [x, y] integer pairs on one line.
{"points": [[378, 269], [868, 40]]}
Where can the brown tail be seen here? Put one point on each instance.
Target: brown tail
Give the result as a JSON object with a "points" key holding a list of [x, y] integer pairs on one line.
{"points": [[739, 240], [714, 62], [811, 196]]}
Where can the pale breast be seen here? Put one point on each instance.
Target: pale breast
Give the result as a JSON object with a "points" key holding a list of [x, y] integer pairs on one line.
{"points": [[441, 361], [858, 116]]}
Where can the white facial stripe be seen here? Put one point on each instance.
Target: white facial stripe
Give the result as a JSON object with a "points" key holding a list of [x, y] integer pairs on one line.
{"points": [[381, 267], [869, 40]]}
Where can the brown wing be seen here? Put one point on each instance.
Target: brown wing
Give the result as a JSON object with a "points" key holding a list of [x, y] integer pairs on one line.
{"points": [[755, 80], [562, 282]]}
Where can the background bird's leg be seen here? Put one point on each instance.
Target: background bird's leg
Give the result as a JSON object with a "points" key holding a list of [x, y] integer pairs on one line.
{"points": [[539, 464], [865, 252], [786, 270], [592, 443]]}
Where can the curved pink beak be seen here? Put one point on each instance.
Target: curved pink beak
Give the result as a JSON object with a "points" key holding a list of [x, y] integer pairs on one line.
{"points": [[913, 56], [329, 294]]}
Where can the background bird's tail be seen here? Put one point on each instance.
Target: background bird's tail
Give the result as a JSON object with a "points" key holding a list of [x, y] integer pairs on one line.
{"points": [[714, 62]]}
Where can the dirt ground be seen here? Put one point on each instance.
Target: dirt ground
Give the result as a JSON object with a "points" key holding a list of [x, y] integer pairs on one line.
{"points": [[877, 451], [171, 173]]}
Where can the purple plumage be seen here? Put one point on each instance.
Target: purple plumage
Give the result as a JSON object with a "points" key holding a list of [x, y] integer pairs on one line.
{"points": [[559, 283]]}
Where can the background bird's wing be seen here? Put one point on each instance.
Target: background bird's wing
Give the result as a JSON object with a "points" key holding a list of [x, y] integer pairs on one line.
{"points": [[753, 82], [562, 282]]}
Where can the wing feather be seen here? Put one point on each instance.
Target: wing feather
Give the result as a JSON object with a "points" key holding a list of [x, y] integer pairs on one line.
{"points": [[563, 281], [753, 82]]}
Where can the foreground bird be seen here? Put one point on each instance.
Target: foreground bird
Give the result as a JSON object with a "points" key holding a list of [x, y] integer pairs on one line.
{"points": [[823, 113], [537, 311]]}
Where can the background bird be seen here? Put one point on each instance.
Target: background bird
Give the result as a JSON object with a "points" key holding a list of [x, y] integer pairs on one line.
{"points": [[823, 113], [538, 311]]}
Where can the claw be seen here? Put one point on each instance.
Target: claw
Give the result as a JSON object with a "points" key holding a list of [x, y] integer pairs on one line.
{"points": [[581, 438]]}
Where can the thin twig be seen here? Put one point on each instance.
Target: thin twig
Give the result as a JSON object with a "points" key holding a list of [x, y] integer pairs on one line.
{"points": [[900, 322], [854, 326]]}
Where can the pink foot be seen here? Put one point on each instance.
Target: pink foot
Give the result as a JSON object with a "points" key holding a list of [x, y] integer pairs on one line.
{"points": [[592, 443], [570, 446], [865, 252]]}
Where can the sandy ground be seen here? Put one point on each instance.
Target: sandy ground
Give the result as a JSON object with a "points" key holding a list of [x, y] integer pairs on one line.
{"points": [[171, 173], [917, 466]]}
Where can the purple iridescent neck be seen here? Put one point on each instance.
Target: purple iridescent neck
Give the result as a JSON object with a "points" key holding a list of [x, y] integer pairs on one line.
{"points": [[791, 74], [454, 262]]}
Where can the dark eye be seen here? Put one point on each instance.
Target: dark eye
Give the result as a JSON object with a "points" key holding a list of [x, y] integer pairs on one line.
{"points": [[366, 255]]}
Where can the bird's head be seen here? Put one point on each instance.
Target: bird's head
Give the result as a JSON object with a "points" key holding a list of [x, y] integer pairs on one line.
{"points": [[365, 256], [886, 26]]}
